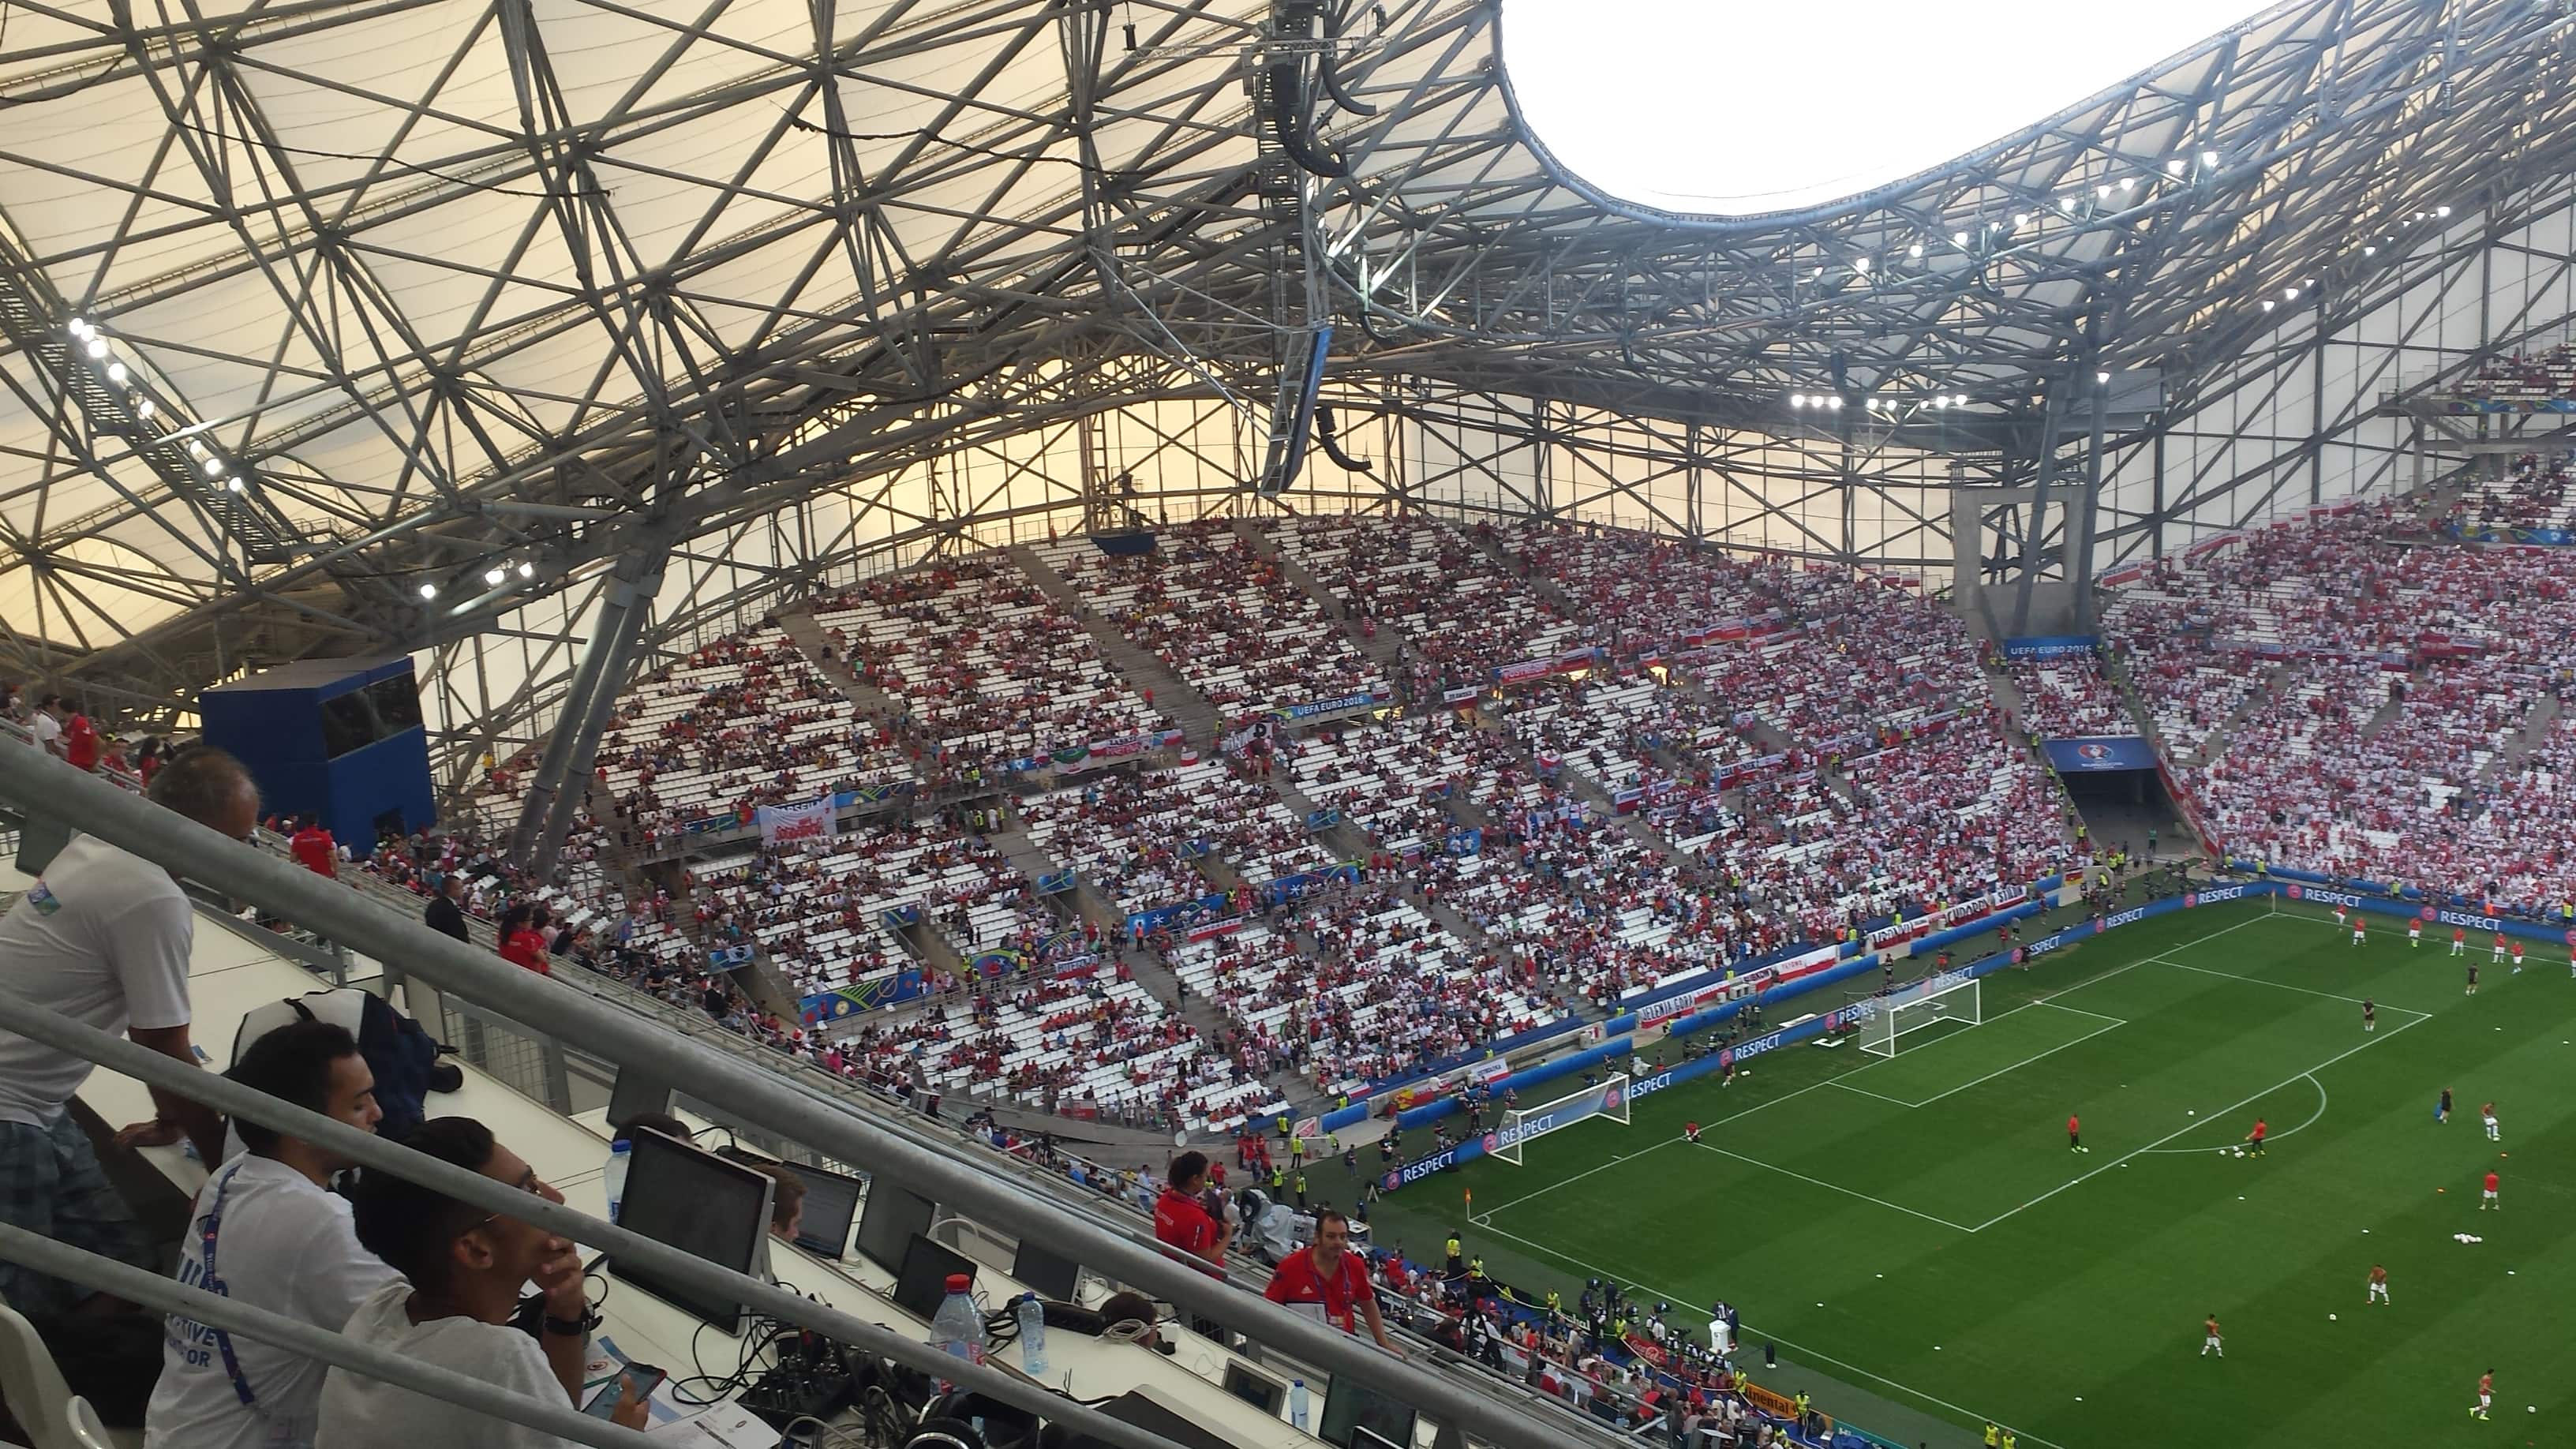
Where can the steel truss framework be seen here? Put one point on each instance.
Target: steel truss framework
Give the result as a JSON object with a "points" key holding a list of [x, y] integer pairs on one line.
{"points": [[495, 298]]}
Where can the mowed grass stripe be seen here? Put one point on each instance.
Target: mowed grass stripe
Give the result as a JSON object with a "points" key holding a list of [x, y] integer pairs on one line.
{"points": [[2097, 1292]]}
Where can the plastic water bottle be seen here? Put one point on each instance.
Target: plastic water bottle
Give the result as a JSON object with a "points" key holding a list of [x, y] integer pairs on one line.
{"points": [[957, 1328], [620, 1156], [1032, 1315], [1297, 1403]]}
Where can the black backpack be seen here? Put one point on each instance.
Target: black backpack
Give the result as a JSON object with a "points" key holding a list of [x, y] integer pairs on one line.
{"points": [[400, 1052]]}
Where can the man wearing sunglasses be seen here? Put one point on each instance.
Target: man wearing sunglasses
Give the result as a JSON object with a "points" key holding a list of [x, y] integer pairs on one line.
{"points": [[462, 1269]]}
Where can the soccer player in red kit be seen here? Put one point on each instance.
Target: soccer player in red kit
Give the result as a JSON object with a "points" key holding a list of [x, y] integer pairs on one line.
{"points": [[2261, 1129], [2517, 958], [2075, 1135], [2459, 940], [2486, 1394], [2499, 948], [2358, 929], [2490, 1200], [2415, 932]]}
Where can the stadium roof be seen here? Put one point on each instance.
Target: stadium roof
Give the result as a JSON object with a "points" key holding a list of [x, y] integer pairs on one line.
{"points": [[402, 293]]}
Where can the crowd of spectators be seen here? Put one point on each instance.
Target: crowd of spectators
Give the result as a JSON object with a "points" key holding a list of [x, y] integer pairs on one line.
{"points": [[1134, 835], [2069, 697], [2380, 684], [1225, 619], [2532, 494], [986, 667], [2547, 375]]}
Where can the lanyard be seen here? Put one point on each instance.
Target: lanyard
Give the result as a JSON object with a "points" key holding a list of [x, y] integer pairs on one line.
{"points": [[209, 1225]]}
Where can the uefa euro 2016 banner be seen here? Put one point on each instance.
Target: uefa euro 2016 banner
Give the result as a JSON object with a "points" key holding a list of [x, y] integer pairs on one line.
{"points": [[2050, 646], [2529, 537], [1363, 699], [2100, 752]]}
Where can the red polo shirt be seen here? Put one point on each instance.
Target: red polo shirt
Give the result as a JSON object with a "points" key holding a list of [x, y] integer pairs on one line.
{"points": [[316, 850], [1298, 1281], [1181, 1222]]}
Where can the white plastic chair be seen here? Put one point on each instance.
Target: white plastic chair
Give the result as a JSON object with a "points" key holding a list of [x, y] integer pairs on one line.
{"points": [[81, 1422], [38, 1397]]}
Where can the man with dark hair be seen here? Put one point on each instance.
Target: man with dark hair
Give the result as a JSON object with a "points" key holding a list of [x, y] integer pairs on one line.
{"points": [[102, 937], [461, 1269], [446, 913], [786, 1201], [1329, 1281], [267, 1231], [1182, 1221]]}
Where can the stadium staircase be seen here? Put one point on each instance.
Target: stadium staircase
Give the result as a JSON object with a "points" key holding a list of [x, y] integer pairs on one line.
{"points": [[2536, 728], [1200, 724]]}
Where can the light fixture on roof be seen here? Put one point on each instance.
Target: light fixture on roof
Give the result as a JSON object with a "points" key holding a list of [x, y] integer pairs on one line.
{"points": [[1915, 250], [78, 327], [1835, 401], [2020, 219], [97, 345], [2128, 183], [2175, 165], [2102, 193], [233, 485], [116, 372], [429, 591], [2100, 378], [2441, 211], [1861, 265], [2370, 251], [1797, 399], [143, 407], [527, 570], [196, 448], [2267, 304], [214, 467], [2066, 204], [1958, 238], [1818, 272], [495, 574], [1941, 402], [2289, 294], [2208, 158]]}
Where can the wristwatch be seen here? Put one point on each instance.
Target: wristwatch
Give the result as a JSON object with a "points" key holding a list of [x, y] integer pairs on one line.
{"points": [[589, 1320]]}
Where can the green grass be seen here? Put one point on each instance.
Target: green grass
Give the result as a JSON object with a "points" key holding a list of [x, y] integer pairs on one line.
{"points": [[1917, 1226]]}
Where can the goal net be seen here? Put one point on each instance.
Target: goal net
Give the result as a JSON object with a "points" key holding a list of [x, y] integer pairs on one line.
{"points": [[1608, 1099], [1928, 1002]]}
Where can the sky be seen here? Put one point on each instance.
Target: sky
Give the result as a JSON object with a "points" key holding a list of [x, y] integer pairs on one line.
{"points": [[1727, 108]]}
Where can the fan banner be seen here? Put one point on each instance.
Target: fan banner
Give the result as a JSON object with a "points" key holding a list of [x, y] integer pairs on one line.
{"points": [[791, 824]]}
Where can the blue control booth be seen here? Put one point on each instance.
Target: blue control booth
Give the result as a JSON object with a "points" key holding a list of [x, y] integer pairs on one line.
{"points": [[340, 739]]}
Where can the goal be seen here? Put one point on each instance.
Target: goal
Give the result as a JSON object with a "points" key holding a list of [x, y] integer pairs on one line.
{"points": [[1925, 1003], [1607, 1099]]}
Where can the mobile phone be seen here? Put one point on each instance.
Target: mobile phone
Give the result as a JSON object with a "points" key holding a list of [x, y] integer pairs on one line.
{"points": [[643, 1376]]}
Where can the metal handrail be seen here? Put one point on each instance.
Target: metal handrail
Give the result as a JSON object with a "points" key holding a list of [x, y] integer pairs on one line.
{"points": [[757, 1094]]}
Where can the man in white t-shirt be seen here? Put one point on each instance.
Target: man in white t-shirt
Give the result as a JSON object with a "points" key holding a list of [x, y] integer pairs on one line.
{"points": [[102, 937], [48, 725], [462, 1269], [267, 1231]]}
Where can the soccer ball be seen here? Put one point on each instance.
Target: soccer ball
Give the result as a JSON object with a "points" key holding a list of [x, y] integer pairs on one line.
{"points": [[2240, 1152], [2330, 1318]]}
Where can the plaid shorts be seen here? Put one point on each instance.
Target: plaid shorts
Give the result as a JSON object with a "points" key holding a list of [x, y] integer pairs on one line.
{"points": [[51, 1185]]}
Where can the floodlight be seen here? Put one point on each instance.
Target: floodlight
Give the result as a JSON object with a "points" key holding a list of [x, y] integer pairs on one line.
{"points": [[232, 485], [429, 591], [97, 345], [2289, 294], [1915, 250], [1860, 265], [2208, 158], [527, 570], [2102, 193], [2101, 377], [143, 407], [2267, 304], [2441, 211], [1834, 401], [2370, 251], [116, 372], [2174, 167], [2128, 183], [214, 467], [1797, 399], [495, 575], [2020, 220], [1958, 238]]}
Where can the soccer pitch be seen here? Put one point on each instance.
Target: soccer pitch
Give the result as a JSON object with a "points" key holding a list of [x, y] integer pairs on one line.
{"points": [[1917, 1226]]}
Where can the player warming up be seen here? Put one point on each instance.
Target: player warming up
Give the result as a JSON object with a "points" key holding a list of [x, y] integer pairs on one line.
{"points": [[2359, 930], [2517, 958], [2415, 933], [2486, 1114], [2254, 1139], [2369, 1015], [2075, 1135], [2442, 1108], [2459, 940], [2378, 1286], [2211, 1344], [2499, 949], [2473, 980], [2486, 1394], [2341, 915], [2489, 1198], [1690, 1131]]}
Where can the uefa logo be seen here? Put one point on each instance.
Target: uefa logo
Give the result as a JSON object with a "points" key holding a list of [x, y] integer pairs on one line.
{"points": [[2426, 913], [2190, 900], [1394, 1180], [2093, 752], [1492, 1142], [2018, 955], [2296, 890], [1726, 1058], [1610, 1100]]}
